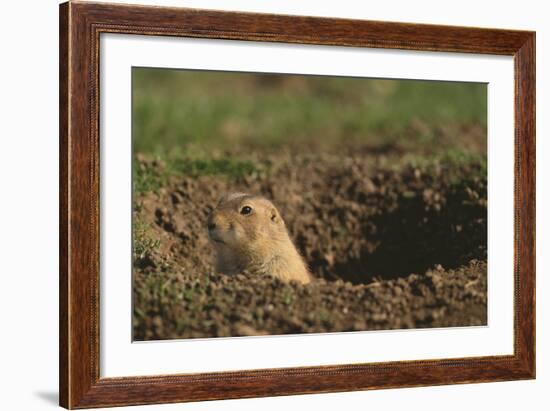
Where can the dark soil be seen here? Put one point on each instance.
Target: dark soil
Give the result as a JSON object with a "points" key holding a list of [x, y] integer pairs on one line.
{"points": [[397, 246]]}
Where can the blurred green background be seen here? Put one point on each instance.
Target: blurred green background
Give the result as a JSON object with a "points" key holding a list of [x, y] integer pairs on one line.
{"points": [[180, 111]]}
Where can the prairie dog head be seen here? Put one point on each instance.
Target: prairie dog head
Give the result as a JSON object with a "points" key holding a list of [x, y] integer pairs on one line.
{"points": [[248, 233], [245, 224]]}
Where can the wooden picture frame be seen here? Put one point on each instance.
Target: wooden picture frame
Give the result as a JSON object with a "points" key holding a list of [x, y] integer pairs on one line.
{"points": [[81, 24]]}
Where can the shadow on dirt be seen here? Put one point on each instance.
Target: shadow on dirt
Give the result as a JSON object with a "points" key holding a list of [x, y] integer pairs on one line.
{"points": [[417, 235]]}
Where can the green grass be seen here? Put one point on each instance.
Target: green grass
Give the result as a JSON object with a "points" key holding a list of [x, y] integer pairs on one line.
{"points": [[451, 158], [214, 123], [143, 244], [174, 110], [151, 176]]}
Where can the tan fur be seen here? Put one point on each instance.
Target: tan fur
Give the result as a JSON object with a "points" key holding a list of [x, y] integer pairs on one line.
{"points": [[257, 242]]}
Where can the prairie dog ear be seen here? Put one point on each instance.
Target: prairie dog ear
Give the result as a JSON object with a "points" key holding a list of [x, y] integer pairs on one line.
{"points": [[275, 216]]}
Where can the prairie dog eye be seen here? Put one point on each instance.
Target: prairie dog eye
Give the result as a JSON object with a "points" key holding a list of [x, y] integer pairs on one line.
{"points": [[246, 210]]}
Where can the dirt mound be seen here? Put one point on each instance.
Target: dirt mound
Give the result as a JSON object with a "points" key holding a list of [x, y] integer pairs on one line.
{"points": [[363, 227], [191, 304]]}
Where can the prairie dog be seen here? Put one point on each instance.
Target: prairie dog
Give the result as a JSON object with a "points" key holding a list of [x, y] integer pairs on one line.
{"points": [[248, 233]]}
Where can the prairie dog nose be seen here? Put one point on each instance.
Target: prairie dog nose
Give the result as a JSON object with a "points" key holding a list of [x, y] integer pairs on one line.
{"points": [[213, 221]]}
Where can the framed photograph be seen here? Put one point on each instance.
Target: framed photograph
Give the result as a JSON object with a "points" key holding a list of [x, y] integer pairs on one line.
{"points": [[259, 205]]}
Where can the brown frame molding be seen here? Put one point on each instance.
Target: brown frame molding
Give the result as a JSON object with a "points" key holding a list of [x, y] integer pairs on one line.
{"points": [[81, 24]]}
